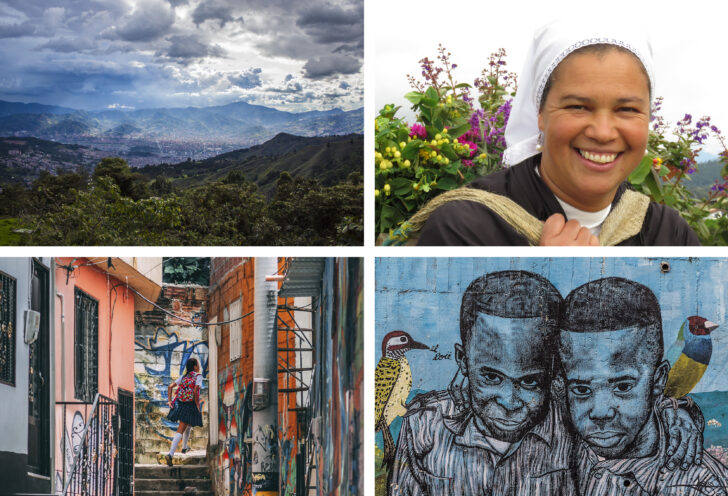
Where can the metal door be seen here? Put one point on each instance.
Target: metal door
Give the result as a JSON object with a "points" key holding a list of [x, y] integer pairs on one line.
{"points": [[126, 442], [39, 377]]}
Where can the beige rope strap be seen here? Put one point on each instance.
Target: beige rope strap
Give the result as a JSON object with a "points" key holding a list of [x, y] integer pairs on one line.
{"points": [[626, 218], [623, 222]]}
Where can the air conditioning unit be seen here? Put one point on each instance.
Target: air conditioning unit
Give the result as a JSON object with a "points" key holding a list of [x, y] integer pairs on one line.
{"points": [[32, 325]]}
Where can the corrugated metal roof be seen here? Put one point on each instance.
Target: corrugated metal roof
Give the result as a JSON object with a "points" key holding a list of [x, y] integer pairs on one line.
{"points": [[303, 277]]}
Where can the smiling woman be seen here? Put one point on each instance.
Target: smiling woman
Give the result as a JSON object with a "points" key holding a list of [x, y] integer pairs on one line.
{"points": [[578, 128]]}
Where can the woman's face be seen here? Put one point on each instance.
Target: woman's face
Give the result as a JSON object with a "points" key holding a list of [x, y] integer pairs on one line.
{"points": [[595, 122]]}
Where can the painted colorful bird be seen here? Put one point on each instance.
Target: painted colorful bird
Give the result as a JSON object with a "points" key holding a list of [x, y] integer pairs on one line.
{"points": [[393, 381], [689, 356]]}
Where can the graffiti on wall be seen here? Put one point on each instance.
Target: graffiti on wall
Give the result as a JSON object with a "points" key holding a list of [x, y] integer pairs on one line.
{"points": [[233, 468], [160, 359], [538, 346], [69, 446], [341, 379]]}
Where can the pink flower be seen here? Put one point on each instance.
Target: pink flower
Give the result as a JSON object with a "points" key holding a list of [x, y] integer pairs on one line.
{"points": [[473, 146], [418, 130]]}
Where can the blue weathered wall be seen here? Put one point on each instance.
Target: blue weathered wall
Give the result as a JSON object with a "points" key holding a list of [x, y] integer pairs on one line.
{"points": [[422, 296]]}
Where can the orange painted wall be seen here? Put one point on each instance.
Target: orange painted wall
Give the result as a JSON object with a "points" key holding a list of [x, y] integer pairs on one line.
{"points": [[116, 330], [115, 352]]}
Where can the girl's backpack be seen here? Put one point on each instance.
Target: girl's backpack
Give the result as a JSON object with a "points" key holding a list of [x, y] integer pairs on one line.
{"points": [[186, 389]]}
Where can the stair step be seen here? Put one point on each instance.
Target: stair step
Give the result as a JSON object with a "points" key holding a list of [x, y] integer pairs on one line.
{"points": [[172, 493], [171, 484], [176, 472]]}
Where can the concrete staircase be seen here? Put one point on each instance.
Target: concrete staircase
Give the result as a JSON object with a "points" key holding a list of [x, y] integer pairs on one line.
{"points": [[188, 476]]}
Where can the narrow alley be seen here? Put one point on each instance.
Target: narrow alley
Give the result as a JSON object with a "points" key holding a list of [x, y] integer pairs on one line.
{"points": [[269, 350]]}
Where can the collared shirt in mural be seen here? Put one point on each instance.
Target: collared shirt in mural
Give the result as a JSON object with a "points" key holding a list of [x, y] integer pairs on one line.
{"points": [[642, 476], [441, 452]]}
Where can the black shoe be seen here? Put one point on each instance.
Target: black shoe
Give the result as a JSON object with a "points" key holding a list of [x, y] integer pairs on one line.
{"points": [[185, 450], [168, 459]]}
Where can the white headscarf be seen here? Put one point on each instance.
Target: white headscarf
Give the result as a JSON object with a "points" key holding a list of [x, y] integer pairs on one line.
{"points": [[550, 45]]}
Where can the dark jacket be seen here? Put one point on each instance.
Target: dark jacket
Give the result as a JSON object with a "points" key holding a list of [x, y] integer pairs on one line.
{"points": [[466, 223]]}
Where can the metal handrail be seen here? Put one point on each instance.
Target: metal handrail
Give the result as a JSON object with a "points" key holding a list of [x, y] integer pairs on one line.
{"points": [[98, 399]]}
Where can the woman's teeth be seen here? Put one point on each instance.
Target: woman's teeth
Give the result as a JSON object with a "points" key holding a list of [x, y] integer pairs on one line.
{"points": [[600, 158]]}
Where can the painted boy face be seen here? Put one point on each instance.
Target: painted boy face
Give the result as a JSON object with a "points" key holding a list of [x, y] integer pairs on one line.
{"points": [[507, 362], [610, 386]]}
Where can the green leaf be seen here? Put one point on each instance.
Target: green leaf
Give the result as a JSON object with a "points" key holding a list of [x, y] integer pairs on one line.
{"points": [[415, 97], [431, 94], [447, 183], [401, 186], [448, 151], [456, 132], [640, 173], [412, 150], [654, 185]]}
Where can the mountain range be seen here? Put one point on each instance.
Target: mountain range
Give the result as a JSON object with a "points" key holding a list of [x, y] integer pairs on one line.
{"points": [[219, 123], [155, 135]]}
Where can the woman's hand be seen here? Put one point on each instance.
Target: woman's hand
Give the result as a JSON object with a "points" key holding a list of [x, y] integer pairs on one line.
{"points": [[558, 232]]}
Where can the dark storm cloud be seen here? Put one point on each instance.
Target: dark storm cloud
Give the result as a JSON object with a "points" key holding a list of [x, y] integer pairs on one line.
{"points": [[148, 22], [184, 47], [16, 30], [333, 24], [215, 11], [247, 79], [329, 65]]}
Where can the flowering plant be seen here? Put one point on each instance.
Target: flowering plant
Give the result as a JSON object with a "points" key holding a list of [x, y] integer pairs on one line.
{"points": [[670, 163], [451, 143], [458, 137]]}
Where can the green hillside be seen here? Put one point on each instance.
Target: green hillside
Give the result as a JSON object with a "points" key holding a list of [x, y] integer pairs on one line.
{"points": [[701, 181], [329, 160]]}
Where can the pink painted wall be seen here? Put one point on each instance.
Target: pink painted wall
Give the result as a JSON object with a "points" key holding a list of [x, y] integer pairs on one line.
{"points": [[116, 345]]}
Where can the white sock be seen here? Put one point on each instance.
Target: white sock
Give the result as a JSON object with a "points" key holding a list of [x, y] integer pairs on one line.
{"points": [[186, 437], [175, 443]]}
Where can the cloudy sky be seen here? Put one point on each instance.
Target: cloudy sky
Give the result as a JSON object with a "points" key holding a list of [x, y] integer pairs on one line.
{"points": [[689, 41], [96, 54]]}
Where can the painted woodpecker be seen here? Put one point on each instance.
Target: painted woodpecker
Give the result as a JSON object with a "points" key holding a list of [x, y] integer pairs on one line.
{"points": [[393, 381]]}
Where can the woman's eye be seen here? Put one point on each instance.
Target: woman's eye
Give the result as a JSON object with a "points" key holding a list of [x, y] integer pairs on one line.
{"points": [[623, 387], [628, 109], [576, 107]]}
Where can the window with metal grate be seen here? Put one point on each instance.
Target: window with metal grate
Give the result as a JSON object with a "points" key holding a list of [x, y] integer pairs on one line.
{"points": [[86, 346]]}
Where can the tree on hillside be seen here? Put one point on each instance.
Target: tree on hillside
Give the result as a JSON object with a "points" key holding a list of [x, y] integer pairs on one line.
{"points": [[131, 184]]}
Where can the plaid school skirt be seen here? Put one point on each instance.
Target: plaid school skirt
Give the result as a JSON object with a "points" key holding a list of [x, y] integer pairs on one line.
{"points": [[187, 412]]}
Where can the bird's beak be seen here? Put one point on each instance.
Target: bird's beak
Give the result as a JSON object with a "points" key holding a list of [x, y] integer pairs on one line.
{"points": [[416, 345], [710, 326]]}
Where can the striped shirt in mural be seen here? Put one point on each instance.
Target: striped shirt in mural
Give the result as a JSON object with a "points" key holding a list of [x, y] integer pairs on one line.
{"points": [[441, 452], [643, 477]]}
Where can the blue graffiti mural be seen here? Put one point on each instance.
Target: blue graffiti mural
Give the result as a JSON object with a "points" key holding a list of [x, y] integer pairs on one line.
{"points": [[168, 353]]}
